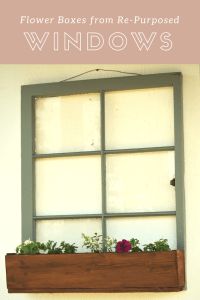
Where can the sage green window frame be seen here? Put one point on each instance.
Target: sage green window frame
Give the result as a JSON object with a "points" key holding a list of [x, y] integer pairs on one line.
{"points": [[101, 86]]}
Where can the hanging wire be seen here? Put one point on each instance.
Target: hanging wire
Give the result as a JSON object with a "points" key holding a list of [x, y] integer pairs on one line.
{"points": [[97, 70]]}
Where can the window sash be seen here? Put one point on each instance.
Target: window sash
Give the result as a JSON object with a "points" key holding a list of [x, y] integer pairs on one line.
{"points": [[29, 93]]}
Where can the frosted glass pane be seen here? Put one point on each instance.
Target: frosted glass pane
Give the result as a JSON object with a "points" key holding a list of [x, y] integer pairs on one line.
{"points": [[67, 230], [139, 118], [69, 123], [147, 229], [140, 182], [68, 185]]}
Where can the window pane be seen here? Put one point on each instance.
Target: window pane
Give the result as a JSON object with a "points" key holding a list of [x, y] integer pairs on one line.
{"points": [[147, 229], [67, 230], [69, 123], [68, 185], [140, 182], [139, 118]]}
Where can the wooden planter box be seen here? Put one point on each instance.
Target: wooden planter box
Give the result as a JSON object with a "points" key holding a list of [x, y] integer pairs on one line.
{"points": [[95, 272]]}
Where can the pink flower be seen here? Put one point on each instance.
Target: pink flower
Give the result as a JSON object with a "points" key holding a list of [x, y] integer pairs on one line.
{"points": [[123, 246]]}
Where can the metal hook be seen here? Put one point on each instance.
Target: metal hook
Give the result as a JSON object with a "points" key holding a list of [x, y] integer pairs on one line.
{"points": [[172, 182]]}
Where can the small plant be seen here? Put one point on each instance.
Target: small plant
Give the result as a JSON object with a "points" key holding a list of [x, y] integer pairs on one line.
{"points": [[97, 244], [29, 247], [160, 245], [51, 248], [135, 245], [94, 243], [68, 248]]}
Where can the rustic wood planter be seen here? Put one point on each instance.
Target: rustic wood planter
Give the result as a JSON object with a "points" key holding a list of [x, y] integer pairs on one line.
{"points": [[95, 272]]}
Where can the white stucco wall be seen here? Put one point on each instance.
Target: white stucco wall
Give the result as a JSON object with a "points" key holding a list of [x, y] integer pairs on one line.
{"points": [[11, 79]]}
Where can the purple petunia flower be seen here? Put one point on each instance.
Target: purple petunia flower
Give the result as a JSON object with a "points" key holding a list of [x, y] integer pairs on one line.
{"points": [[123, 246]]}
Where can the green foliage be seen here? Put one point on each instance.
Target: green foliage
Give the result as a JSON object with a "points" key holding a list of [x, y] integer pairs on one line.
{"points": [[31, 247], [110, 244], [51, 248], [160, 245], [97, 244], [68, 248], [135, 245], [94, 243]]}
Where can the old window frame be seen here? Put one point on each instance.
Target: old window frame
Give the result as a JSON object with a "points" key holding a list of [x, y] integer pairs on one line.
{"points": [[30, 92]]}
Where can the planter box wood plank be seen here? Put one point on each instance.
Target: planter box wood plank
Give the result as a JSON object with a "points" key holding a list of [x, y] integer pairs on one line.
{"points": [[95, 272]]}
